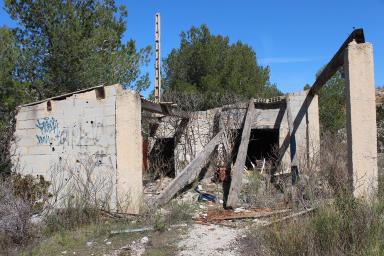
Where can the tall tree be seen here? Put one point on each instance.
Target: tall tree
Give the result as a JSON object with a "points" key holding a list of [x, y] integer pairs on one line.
{"points": [[209, 64], [332, 106], [12, 92], [74, 44]]}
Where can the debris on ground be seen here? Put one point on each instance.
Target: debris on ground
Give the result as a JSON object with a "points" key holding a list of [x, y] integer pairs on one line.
{"points": [[205, 197], [154, 188], [136, 248]]}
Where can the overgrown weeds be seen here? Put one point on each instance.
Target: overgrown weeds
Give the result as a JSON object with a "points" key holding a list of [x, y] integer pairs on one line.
{"points": [[75, 214], [345, 227], [340, 225], [20, 197], [175, 212]]}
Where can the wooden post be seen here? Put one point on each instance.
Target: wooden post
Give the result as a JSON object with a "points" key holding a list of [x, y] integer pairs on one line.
{"points": [[157, 60], [292, 142], [237, 172]]}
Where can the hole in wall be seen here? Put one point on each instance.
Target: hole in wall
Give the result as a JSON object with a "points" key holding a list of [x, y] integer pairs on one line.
{"points": [[49, 105], [100, 93], [161, 158], [262, 144]]}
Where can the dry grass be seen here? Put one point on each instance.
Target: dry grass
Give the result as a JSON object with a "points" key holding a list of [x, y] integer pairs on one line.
{"points": [[100, 242], [346, 226], [20, 198]]}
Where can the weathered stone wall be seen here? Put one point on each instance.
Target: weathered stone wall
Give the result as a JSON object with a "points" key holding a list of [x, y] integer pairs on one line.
{"points": [[204, 124], [65, 137]]}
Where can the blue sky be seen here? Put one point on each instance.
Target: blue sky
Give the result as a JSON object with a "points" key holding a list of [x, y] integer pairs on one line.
{"points": [[295, 38]]}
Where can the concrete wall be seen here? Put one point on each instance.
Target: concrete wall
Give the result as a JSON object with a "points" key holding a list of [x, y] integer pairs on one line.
{"points": [[204, 124], [77, 136], [305, 142]]}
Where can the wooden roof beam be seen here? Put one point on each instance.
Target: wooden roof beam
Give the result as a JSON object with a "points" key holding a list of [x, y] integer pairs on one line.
{"points": [[337, 61]]}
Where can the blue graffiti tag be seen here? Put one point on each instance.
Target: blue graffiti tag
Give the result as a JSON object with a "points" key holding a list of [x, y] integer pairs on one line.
{"points": [[47, 124], [50, 131], [43, 139]]}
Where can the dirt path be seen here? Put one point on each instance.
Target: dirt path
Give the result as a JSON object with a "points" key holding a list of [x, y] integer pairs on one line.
{"points": [[212, 240]]}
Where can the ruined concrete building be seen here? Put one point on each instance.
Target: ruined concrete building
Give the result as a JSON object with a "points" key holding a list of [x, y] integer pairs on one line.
{"points": [[96, 134], [269, 127]]}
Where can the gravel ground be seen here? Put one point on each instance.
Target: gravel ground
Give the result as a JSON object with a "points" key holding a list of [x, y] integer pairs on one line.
{"points": [[210, 240]]}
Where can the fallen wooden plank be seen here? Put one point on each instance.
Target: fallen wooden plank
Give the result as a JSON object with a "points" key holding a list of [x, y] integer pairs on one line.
{"points": [[291, 133], [247, 215], [237, 171], [190, 172], [295, 215]]}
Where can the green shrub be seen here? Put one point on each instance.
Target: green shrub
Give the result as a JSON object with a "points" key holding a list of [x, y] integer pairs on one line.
{"points": [[159, 223], [251, 190], [74, 214], [179, 212], [20, 197], [32, 190], [346, 227], [325, 228], [287, 240]]}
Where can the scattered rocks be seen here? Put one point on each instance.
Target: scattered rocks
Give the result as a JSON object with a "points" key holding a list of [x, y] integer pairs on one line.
{"points": [[37, 219], [144, 240]]}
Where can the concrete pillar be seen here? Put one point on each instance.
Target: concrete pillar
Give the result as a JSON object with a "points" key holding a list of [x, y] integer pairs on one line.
{"points": [[129, 154], [361, 119]]}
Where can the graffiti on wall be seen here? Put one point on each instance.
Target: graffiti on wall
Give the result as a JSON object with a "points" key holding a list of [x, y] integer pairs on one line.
{"points": [[49, 132]]}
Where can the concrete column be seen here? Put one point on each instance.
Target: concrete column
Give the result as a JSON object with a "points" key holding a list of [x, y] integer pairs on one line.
{"points": [[361, 119], [129, 154]]}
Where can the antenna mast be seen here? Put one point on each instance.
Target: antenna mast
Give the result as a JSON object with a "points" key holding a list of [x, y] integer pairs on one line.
{"points": [[157, 60]]}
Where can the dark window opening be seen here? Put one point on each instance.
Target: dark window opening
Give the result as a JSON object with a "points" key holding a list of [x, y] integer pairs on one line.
{"points": [[162, 159], [262, 145], [100, 93], [49, 105]]}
